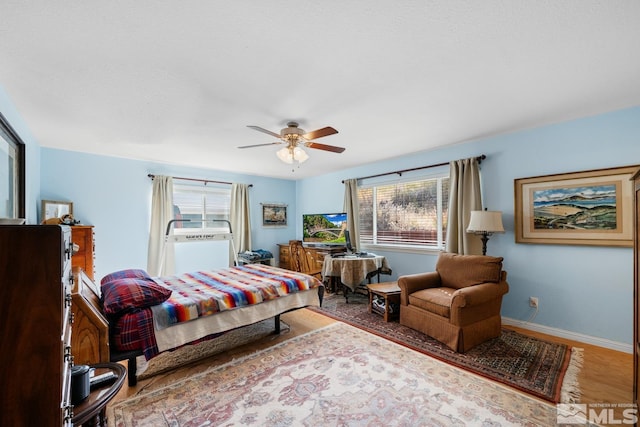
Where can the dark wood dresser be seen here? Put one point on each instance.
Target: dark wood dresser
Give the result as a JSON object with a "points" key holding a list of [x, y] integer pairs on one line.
{"points": [[35, 290]]}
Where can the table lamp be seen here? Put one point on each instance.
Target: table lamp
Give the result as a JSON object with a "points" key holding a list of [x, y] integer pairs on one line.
{"points": [[485, 223]]}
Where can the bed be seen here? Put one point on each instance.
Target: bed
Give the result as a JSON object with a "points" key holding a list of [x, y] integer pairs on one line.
{"points": [[150, 315]]}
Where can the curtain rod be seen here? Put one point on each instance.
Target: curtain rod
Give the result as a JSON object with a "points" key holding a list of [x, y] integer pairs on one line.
{"points": [[400, 172], [197, 179]]}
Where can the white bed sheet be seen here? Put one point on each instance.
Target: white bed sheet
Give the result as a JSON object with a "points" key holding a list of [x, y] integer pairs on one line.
{"points": [[183, 333]]}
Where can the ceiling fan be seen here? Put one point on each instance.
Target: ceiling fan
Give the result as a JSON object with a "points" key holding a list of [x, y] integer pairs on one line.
{"points": [[296, 138]]}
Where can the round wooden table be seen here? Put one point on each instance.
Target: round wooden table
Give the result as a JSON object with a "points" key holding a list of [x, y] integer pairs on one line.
{"points": [[353, 270], [92, 411]]}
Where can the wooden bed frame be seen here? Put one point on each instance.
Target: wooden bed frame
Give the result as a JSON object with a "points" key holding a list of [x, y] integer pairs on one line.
{"points": [[90, 330]]}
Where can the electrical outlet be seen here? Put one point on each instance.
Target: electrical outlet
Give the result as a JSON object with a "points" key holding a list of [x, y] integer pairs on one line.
{"points": [[533, 302]]}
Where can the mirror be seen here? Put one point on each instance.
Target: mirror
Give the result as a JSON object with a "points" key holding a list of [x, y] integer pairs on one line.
{"points": [[12, 172], [55, 209]]}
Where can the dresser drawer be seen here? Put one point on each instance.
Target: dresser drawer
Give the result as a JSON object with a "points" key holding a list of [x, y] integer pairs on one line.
{"points": [[284, 256]]}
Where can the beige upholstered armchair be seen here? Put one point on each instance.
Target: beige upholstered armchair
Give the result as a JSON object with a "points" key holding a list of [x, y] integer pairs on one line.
{"points": [[459, 303]]}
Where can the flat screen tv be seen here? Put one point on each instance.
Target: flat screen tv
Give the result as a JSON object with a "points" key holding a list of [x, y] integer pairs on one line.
{"points": [[324, 228]]}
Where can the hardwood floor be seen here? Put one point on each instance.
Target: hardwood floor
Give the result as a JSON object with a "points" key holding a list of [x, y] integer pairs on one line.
{"points": [[606, 376]]}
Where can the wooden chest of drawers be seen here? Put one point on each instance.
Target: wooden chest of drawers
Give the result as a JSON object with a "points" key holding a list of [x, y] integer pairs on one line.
{"points": [[284, 257], [35, 288], [318, 252]]}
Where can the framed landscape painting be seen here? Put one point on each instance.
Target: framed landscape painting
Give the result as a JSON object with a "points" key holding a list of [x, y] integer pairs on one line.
{"points": [[580, 208], [274, 215]]}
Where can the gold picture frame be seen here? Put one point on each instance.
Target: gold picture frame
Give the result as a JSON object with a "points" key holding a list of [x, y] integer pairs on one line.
{"points": [[55, 209], [580, 208]]}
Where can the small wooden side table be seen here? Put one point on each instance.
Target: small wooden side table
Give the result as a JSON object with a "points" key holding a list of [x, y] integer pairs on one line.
{"points": [[390, 292], [92, 411]]}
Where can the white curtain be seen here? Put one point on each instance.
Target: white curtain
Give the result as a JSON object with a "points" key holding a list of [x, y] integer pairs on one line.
{"points": [[352, 209], [464, 196], [240, 219], [161, 257]]}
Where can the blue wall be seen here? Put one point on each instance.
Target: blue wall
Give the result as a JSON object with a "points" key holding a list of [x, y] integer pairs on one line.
{"points": [[584, 290], [114, 195], [32, 154]]}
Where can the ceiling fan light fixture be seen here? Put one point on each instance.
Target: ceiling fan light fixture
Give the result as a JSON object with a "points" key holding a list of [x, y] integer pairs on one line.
{"points": [[300, 155], [295, 138], [289, 154], [284, 155]]}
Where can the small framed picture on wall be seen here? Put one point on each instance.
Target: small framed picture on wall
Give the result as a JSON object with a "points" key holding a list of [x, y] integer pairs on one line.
{"points": [[274, 215]]}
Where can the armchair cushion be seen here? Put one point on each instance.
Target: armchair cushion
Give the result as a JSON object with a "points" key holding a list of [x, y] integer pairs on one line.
{"points": [[434, 300], [459, 271]]}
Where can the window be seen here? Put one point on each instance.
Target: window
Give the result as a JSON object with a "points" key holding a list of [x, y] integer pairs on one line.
{"points": [[409, 213], [202, 205]]}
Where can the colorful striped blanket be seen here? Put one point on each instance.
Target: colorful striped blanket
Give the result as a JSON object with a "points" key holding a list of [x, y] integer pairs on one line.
{"points": [[204, 293]]}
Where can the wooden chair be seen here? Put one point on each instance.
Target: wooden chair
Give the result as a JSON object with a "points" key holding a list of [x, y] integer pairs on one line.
{"points": [[302, 260]]}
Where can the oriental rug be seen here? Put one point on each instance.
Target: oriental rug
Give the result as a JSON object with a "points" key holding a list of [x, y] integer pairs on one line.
{"points": [[338, 375], [542, 368]]}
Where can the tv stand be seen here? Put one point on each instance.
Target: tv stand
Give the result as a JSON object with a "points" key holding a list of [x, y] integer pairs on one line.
{"points": [[318, 251], [320, 246]]}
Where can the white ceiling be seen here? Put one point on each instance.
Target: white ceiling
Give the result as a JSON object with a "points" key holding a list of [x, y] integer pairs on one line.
{"points": [[179, 81]]}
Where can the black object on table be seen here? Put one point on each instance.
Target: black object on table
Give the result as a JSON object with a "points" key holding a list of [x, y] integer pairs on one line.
{"points": [[92, 411]]}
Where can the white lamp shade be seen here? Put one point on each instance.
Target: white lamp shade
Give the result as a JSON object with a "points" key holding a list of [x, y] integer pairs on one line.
{"points": [[288, 155], [300, 155], [285, 155], [485, 221]]}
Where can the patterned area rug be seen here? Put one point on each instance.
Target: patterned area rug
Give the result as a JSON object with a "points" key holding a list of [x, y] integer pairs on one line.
{"points": [[335, 376], [544, 369]]}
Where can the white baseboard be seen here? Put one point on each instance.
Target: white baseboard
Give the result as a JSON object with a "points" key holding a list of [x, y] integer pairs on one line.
{"points": [[587, 339]]}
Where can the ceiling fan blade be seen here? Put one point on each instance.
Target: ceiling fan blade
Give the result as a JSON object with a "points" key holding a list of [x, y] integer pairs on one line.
{"points": [[263, 130], [260, 145], [319, 133], [325, 147]]}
